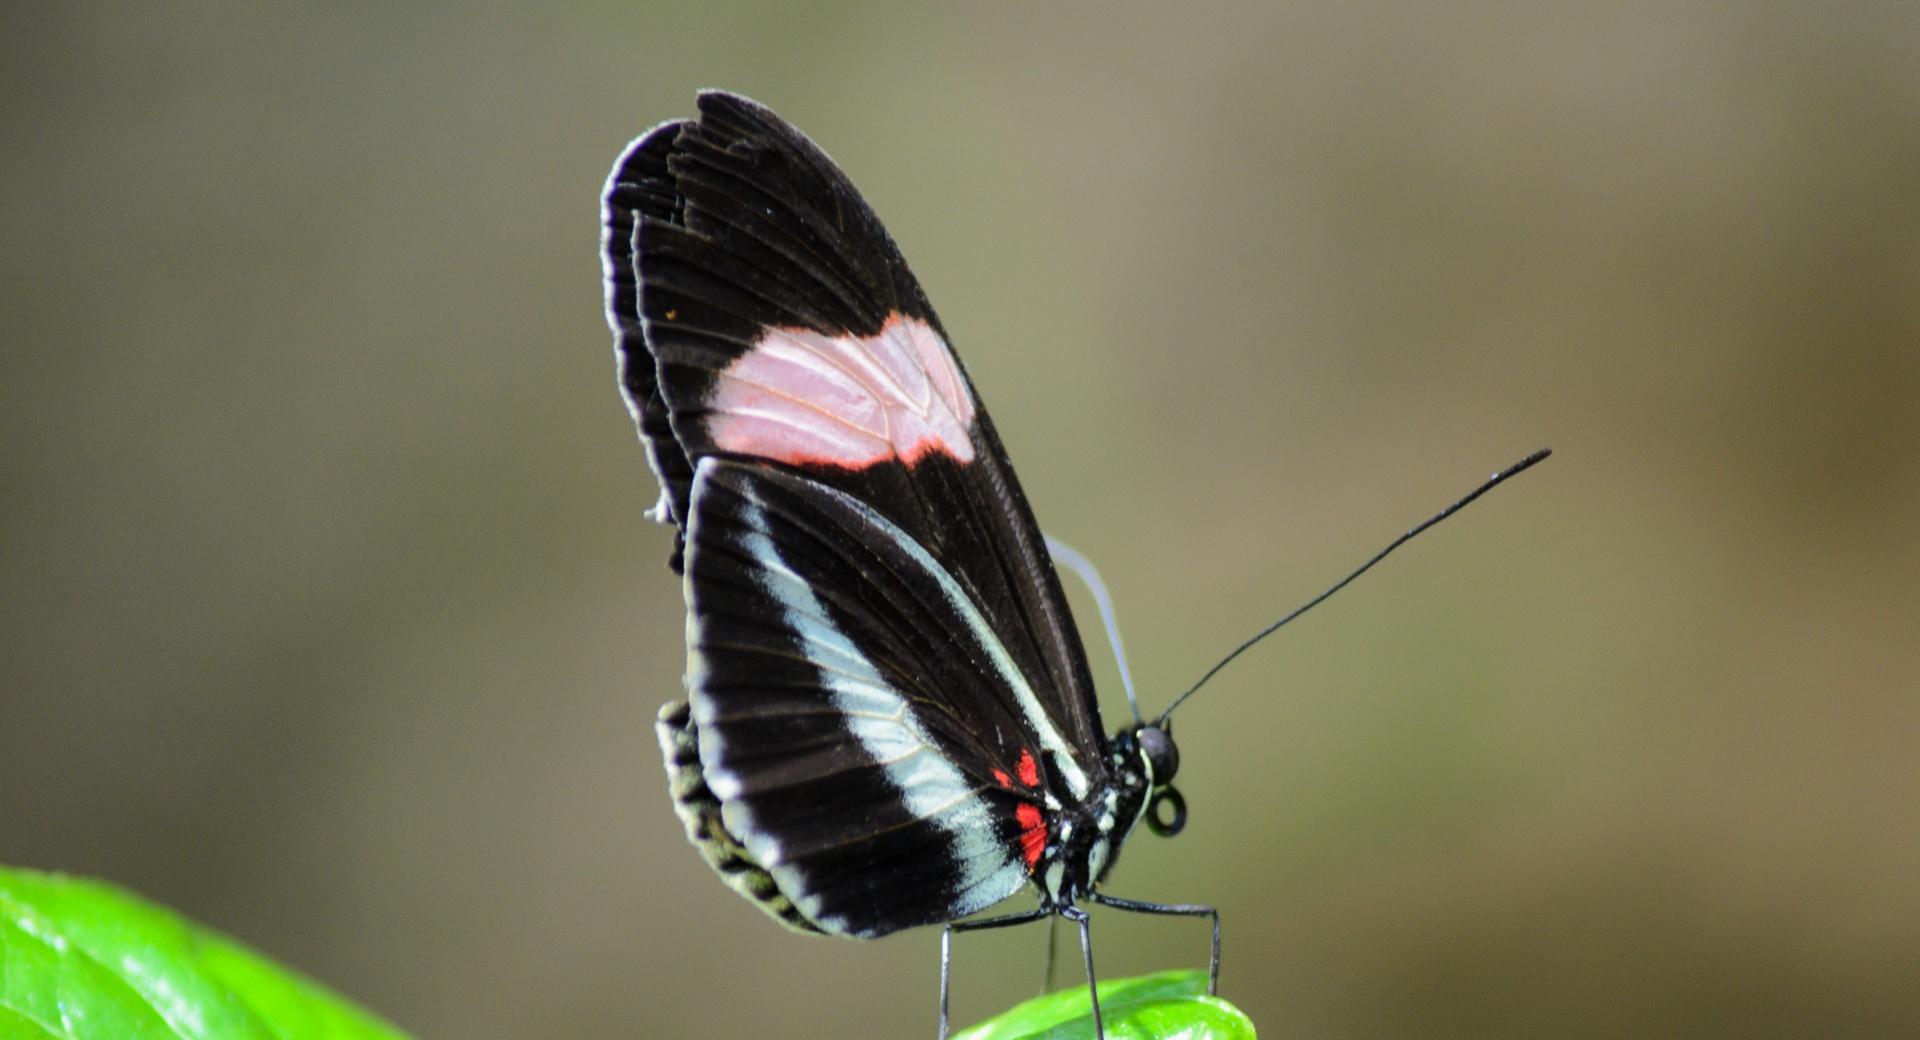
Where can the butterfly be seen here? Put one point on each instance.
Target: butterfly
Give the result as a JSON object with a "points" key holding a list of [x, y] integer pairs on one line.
{"points": [[890, 721]]}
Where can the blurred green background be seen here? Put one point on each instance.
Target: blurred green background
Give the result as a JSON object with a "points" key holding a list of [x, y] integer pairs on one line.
{"points": [[331, 618]]}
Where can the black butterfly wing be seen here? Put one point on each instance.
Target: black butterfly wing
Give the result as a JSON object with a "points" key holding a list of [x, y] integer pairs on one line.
{"points": [[762, 311], [888, 695], [869, 746]]}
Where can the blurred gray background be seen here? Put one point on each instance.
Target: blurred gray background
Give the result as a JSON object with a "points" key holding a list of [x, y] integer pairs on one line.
{"points": [[331, 619]]}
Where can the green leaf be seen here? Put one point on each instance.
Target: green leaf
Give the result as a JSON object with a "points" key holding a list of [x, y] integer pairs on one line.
{"points": [[1172, 1005], [83, 959]]}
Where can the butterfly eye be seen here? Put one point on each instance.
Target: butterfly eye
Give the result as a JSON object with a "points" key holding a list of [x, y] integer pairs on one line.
{"points": [[1162, 756], [1167, 827]]}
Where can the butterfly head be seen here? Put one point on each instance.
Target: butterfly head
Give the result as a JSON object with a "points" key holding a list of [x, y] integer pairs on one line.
{"points": [[1151, 744]]}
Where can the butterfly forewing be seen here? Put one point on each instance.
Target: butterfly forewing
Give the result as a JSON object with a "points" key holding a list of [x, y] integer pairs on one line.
{"points": [[842, 685]]}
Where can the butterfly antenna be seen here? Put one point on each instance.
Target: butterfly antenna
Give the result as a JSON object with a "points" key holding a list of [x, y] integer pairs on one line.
{"points": [[1514, 470], [1080, 565]]}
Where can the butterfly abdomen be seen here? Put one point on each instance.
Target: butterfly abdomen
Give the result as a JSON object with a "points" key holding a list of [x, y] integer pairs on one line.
{"points": [[699, 811]]}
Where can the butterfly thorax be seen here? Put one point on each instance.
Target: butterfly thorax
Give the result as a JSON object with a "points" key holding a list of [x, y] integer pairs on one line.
{"points": [[1085, 839]]}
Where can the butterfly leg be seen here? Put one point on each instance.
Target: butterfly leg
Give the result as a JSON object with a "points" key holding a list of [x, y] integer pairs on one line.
{"points": [[1079, 917], [1046, 982], [1178, 910], [946, 948]]}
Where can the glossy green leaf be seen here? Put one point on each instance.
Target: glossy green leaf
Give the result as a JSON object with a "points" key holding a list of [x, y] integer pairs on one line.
{"points": [[83, 959], [1172, 1005]]}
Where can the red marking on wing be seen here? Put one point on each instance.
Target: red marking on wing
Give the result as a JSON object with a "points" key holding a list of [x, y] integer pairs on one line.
{"points": [[801, 396], [1033, 833], [1027, 769], [1000, 775]]}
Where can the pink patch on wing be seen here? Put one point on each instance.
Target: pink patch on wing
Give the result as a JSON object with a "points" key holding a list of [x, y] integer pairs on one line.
{"points": [[1033, 832], [1027, 769], [801, 396], [1000, 775]]}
